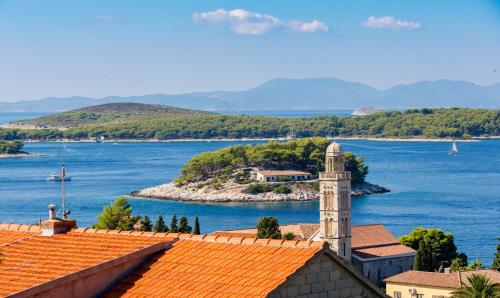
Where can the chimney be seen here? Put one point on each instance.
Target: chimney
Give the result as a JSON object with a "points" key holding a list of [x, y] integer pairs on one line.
{"points": [[55, 225]]}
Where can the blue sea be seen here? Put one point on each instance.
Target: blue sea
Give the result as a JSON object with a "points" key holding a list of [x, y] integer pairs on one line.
{"points": [[429, 188]]}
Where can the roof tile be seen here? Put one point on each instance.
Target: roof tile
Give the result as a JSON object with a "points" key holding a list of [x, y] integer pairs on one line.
{"points": [[195, 268]]}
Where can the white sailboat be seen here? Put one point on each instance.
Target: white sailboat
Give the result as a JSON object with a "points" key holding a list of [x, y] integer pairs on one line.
{"points": [[454, 149]]}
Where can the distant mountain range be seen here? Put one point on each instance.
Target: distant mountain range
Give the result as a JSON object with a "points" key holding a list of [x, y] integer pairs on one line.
{"points": [[288, 94]]}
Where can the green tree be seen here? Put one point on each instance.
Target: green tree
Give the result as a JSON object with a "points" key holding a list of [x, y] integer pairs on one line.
{"points": [[442, 245], [479, 286], [357, 167], [173, 224], [268, 227], [160, 225], [146, 224], [184, 226], [459, 263], [288, 236], [496, 260], [476, 265], [116, 216], [422, 258], [196, 230]]}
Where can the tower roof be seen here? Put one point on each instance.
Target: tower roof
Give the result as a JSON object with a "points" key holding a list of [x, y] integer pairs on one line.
{"points": [[334, 149]]}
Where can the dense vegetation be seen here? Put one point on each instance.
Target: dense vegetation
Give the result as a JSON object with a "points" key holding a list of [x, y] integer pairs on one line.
{"points": [[302, 154], [428, 123], [434, 249], [109, 113], [10, 147], [118, 216]]}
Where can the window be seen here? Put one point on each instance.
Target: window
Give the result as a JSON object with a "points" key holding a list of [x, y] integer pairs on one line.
{"points": [[420, 295], [397, 294]]}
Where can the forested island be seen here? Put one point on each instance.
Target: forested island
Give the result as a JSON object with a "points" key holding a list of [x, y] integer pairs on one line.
{"points": [[151, 122], [231, 174], [13, 149]]}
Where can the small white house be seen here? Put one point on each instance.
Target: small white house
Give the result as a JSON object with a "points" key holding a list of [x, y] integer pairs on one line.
{"points": [[276, 175]]}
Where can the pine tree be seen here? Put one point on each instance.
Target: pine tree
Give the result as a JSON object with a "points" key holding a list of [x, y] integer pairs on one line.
{"points": [[173, 224], [160, 225], [496, 261], [196, 226], [268, 227], [147, 226], [423, 257], [184, 226], [115, 216]]}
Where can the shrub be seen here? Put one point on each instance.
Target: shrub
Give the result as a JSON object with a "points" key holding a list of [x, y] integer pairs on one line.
{"points": [[257, 188], [282, 189], [288, 236]]}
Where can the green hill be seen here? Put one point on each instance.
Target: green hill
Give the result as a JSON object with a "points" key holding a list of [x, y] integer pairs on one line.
{"points": [[138, 121], [106, 114]]}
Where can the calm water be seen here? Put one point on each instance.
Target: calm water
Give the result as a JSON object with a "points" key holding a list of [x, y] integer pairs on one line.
{"points": [[459, 194]]}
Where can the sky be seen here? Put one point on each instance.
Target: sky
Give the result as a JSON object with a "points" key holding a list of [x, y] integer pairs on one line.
{"points": [[101, 48]]}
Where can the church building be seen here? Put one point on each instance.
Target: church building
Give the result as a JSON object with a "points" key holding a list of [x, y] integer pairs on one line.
{"points": [[371, 249]]}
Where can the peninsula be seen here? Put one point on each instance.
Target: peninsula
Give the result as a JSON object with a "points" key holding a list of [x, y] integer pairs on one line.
{"points": [[275, 171]]}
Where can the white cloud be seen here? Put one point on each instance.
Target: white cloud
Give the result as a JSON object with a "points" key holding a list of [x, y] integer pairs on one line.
{"points": [[389, 22], [314, 26], [107, 18], [242, 21]]}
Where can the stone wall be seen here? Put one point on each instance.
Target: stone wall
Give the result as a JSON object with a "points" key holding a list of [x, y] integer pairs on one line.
{"points": [[377, 270], [324, 277]]}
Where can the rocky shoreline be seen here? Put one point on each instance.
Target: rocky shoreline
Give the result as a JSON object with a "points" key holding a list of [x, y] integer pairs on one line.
{"points": [[20, 154], [300, 192]]}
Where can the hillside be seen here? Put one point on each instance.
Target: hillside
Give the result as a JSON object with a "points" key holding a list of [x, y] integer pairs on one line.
{"points": [[286, 94], [424, 123], [105, 114]]}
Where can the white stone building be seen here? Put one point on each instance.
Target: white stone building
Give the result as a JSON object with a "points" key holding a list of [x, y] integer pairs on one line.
{"points": [[282, 175]]}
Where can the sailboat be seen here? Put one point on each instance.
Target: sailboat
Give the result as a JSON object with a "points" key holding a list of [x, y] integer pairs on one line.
{"points": [[453, 150], [59, 178]]}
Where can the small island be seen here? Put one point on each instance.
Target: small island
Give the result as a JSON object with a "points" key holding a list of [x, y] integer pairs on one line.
{"points": [[11, 149], [275, 171]]}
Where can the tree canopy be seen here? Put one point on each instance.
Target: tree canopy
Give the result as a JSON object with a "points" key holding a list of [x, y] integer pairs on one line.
{"points": [[441, 246], [303, 154], [116, 216], [268, 228], [429, 123], [11, 147]]}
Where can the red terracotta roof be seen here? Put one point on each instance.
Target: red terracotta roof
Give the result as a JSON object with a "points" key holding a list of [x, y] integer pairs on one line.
{"points": [[198, 268], [20, 228], [451, 280], [38, 259], [382, 251], [371, 235], [368, 241], [282, 172], [7, 237]]}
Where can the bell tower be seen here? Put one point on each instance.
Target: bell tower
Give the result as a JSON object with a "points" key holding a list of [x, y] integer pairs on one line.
{"points": [[335, 202]]}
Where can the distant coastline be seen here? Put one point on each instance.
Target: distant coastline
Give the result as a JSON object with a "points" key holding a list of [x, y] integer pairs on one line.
{"points": [[475, 139]]}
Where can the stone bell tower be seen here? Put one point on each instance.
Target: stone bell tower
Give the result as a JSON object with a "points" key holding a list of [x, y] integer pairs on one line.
{"points": [[335, 202]]}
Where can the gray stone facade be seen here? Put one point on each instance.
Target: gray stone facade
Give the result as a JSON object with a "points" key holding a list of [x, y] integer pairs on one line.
{"points": [[325, 277], [377, 269]]}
